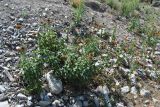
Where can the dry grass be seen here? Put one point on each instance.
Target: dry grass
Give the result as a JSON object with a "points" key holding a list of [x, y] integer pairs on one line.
{"points": [[76, 3]]}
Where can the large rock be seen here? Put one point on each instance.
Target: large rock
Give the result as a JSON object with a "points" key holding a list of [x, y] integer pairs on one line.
{"points": [[54, 84], [4, 104]]}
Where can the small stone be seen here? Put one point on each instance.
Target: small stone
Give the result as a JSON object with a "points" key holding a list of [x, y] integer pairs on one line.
{"points": [[103, 89], [10, 29], [146, 102], [56, 103], [133, 90], [120, 104], [153, 75], [29, 103], [44, 14], [155, 100], [54, 84], [6, 5], [133, 79], [44, 103], [8, 59], [20, 20], [125, 89], [46, 9], [157, 53], [2, 89], [124, 70], [19, 106], [145, 93], [3, 97], [34, 24], [21, 96]]}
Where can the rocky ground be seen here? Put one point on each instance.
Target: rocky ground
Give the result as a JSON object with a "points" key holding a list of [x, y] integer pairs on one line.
{"points": [[31, 14]]}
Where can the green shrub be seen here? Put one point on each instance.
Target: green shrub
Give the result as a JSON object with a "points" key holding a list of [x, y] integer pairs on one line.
{"points": [[31, 74], [67, 62], [78, 12], [115, 4], [134, 25], [128, 6]]}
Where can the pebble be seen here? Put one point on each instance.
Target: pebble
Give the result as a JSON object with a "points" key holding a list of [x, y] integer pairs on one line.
{"points": [[10, 29], [120, 104], [54, 84], [125, 89], [2, 89], [56, 103], [145, 93], [20, 20], [146, 102], [22, 96], [133, 90], [133, 79], [124, 70], [153, 75]]}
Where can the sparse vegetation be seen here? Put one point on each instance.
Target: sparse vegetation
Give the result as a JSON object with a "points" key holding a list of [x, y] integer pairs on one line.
{"points": [[90, 60], [126, 7], [78, 10]]}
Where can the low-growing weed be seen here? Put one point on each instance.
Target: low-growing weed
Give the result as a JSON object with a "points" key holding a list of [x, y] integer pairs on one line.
{"points": [[31, 74], [78, 11], [129, 6]]}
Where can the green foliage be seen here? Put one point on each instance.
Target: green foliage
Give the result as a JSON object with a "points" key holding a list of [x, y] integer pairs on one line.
{"points": [[48, 41], [67, 62], [134, 25], [78, 12], [31, 74], [128, 6], [115, 4]]}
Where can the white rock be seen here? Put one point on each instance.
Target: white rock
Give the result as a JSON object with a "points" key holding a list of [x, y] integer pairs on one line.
{"points": [[2, 89], [103, 89], [56, 103], [124, 70], [21, 96], [125, 89], [29, 103], [133, 90], [133, 79], [4, 104], [19, 106], [120, 104], [146, 102], [145, 93], [54, 84], [157, 53]]}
